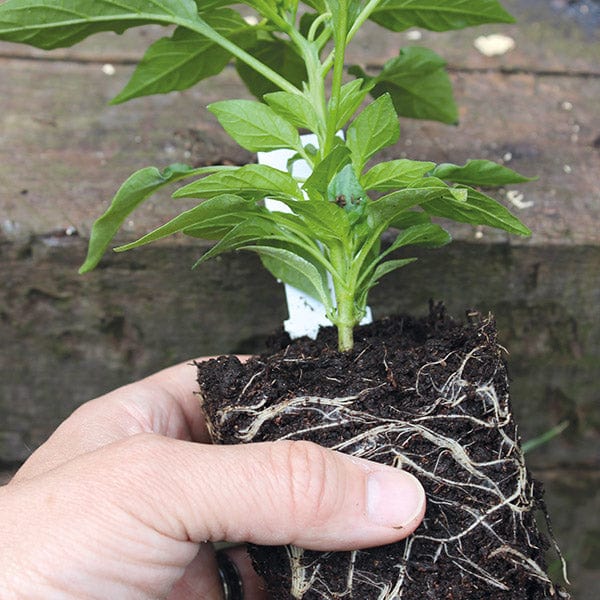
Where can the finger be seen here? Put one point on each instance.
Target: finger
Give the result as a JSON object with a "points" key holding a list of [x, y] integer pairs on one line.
{"points": [[201, 578], [270, 493], [165, 403]]}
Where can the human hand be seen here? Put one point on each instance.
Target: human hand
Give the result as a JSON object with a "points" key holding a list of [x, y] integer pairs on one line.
{"points": [[120, 503]]}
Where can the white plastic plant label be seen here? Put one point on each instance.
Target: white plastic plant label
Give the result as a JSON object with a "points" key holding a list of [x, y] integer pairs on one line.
{"points": [[306, 315]]}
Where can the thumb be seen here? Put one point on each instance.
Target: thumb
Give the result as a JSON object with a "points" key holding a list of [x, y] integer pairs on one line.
{"points": [[273, 493]]}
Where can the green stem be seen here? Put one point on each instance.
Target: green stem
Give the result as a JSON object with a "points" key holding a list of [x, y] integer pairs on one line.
{"points": [[206, 30], [345, 322], [338, 75], [365, 13]]}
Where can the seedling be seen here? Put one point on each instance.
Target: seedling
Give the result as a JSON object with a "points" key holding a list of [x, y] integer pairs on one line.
{"points": [[293, 60]]}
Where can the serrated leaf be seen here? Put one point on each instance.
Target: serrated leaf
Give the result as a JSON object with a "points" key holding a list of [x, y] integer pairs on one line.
{"points": [[294, 270], [478, 209], [249, 181], [294, 108], [179, 62], [418, 84], [255, 126], [280, 56], [375, 128], [393, 174], [52, 24], [137, 188], [212, 217], [479, 172], [438, 15]]}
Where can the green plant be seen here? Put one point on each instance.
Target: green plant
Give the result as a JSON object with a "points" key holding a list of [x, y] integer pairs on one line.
{"points": [[293, 61]]}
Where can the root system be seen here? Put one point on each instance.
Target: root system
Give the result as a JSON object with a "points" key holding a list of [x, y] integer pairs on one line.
{"points": [[428, 396]]}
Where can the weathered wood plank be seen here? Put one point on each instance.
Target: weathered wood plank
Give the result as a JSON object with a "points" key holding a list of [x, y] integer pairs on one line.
{"points": [[64, 152], [576, 48]]}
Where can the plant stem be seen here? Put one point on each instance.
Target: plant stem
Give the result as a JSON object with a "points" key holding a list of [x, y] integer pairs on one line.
{"points": [[206, 30], [338, 74], [362, 17], [345, 321]]}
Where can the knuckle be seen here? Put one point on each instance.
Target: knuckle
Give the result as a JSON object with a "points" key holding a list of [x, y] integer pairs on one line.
{"points": [[306, 468]]}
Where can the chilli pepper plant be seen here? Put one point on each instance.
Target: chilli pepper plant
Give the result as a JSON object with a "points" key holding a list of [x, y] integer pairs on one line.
{"points": [[429, 395], [293, 60]]}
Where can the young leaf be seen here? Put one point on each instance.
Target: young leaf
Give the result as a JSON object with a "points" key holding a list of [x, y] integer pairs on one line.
{"points": [[293, 108], [52, 24], [478, 209], [278, 54], [131, 194], [418, 84], [325, 171], [254, 126], [483, 173], [375, 128], [249, 181], [324, 220], [393, 174], [179, 62], [214, 218], [438, 15], [345, 191], [352, 95]]}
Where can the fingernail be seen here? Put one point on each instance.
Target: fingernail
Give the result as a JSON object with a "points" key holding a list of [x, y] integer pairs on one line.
{"points": [[394, 498]]}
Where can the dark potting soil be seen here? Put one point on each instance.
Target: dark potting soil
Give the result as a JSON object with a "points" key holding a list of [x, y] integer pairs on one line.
{"points": [[430, 395]]}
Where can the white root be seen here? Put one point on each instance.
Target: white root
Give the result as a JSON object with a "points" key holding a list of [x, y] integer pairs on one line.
{"points": [[448, 463]]}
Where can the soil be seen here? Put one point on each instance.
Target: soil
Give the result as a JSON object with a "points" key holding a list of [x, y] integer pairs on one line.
{"points": [[429, 395]]}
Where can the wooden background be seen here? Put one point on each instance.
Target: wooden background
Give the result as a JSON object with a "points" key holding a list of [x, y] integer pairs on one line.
{"points": [[63, 153]]}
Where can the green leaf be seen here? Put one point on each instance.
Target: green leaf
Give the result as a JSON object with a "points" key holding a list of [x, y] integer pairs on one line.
{"points": [[382, 212], [213, 217], [438, 15], [278, 54], [325, 171], [294, 270], [131, 194], [256, 229], [375, 128], [323, 220], [352, 95], [294, 108], [345, 191], [428, 235], [418, 84], [52, 24], [393, 174], [479, 172], [410, 218], [387, 267], [249, 181], [478, 209], [179, 62], [254, 126]]}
